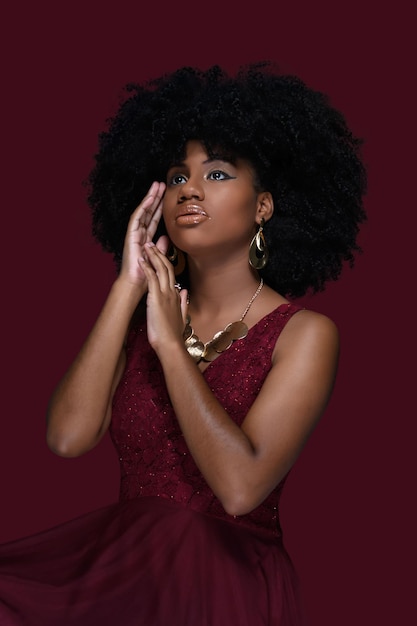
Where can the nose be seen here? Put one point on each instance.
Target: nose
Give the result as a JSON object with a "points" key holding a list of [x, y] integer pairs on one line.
{"points": [[192, 188]]}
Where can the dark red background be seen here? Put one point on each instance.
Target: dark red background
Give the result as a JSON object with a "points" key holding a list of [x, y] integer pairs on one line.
{"points": [[347, 509]]}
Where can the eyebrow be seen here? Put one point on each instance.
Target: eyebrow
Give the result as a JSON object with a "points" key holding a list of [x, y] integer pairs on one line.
{"points": [[215, 157]]}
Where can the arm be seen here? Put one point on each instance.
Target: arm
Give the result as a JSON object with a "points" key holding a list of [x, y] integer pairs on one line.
{"points": [[79, 410], [243, 464]]}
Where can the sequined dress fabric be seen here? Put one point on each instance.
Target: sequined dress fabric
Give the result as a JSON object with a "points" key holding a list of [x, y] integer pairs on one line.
{"points": [[167, 554]]}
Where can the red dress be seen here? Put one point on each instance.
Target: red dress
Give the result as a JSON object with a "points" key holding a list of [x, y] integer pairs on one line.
{"points": [[167, 554]]}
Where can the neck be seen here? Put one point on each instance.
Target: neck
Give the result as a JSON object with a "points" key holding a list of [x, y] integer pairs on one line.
{"points": [[221, 287]]}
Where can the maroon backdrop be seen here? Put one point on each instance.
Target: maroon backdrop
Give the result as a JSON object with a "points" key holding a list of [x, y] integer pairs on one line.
{"points": [[346, 510]]}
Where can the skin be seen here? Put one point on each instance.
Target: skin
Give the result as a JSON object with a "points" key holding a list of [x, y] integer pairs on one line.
{"points": [[211, 210]]}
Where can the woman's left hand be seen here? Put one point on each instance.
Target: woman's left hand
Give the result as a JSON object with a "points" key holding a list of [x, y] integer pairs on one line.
{"points": [[166, 302]]}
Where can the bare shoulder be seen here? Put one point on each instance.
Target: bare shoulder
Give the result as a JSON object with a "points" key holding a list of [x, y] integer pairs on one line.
{"points": [[308, 331]]}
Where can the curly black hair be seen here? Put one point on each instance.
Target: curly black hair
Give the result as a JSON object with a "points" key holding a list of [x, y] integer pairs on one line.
{"points": [[298, 144]]}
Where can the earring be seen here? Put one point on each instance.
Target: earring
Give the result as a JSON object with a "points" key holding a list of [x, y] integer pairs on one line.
{"points": [[258, 250], [177, 259]]}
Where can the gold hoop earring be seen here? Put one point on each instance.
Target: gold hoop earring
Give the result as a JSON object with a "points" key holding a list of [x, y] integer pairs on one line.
{"points": [[177, 258], [258, 250]]}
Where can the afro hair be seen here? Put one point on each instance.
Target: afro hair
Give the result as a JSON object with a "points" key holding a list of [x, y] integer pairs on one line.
{"points": [[299, 145]]}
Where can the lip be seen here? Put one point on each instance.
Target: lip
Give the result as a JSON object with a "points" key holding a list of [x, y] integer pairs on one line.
{"points": [[190, 214]]}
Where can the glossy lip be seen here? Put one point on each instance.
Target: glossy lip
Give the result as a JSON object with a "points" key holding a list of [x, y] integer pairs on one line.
{"points": [[190, 209]]}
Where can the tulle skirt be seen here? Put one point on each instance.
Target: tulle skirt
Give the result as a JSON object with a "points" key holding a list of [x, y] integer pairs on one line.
{"points": [[148, 562]]}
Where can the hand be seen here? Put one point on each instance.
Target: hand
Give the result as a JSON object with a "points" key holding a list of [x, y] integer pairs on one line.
{"points": [[166, 304], [141, 230]]}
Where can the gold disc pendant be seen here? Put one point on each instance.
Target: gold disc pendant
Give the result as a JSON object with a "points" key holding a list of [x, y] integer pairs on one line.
{"points": [[222, 340], [237, 330]]}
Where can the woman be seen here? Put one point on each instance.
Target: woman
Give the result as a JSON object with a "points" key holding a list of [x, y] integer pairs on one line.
{"points": [[209, 378]]}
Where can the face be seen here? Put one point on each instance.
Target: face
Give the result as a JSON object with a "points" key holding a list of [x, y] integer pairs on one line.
{"points": [[211, 203]]}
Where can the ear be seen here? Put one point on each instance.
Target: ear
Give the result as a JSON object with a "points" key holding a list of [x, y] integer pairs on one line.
{"points": [[265, 206]]}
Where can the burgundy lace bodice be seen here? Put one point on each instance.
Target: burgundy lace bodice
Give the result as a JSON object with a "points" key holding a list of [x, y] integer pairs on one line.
{"points": [[154, 458]]}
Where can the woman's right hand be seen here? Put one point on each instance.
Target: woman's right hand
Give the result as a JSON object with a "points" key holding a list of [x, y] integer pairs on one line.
{"points": [[141, 230]]}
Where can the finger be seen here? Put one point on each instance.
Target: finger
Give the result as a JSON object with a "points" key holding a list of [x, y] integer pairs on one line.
{"points": [[152, 220], [139, 217], [163, 244], [149, 273], [156, 191], [154, 212], [144, 212], [162, 267], [158, 259], [184, 304]]}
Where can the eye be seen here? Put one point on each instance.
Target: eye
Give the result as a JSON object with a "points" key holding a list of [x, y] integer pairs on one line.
{"points": [[218, 175], [177, 179]]}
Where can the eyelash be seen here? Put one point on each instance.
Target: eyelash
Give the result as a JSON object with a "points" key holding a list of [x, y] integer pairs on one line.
{"points": [[209, 177], [226, 176]]}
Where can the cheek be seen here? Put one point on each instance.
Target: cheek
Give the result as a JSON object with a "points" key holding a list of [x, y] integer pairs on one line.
{"points": [[243, 205], [167, 206], [168, 220], [243, 197]]}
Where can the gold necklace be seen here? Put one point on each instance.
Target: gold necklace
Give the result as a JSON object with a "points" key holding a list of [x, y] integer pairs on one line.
{"points": [[222, 340]]}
